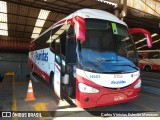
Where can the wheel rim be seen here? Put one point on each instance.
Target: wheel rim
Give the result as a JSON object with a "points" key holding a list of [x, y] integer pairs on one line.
{"points": [[148, 68]]}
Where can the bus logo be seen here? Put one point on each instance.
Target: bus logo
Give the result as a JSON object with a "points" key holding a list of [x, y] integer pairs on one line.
{"points": [[41, 56], [118, 82]]}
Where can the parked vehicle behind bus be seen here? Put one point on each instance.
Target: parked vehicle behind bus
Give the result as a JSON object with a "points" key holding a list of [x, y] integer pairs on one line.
{"points": [[149, 59], [89, 56]]}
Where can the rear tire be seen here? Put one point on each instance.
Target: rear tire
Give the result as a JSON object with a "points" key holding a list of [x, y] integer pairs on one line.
{"points": [[147, 68]]}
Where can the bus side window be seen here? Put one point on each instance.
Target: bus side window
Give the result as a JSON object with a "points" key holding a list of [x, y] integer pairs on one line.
{"points": [[63, 43], [53, 39], [153, 55], [71, 46], [52, 46]]}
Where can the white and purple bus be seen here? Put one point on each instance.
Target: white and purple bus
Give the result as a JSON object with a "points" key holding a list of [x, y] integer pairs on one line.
{"points": [[90, 57]]}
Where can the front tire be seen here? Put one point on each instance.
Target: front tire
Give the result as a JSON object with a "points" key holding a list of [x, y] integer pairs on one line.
{"points": [[52, 80], [147, 68]]}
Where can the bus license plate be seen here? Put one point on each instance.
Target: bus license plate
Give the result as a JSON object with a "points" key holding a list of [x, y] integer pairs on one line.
{"points": [[119, 97]]}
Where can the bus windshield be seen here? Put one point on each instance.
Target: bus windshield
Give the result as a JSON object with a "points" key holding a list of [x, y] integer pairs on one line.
{"points": [[107, 48]]}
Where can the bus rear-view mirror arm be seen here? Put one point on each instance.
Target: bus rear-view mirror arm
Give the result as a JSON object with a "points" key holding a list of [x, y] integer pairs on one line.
{"points": [[79, 26], [143, 31]]}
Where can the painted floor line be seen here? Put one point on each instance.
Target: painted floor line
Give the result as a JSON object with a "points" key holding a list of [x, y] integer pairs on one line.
{"points": [[14, 104]]}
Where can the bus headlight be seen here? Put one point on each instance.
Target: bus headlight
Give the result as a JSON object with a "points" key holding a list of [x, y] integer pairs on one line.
{"points": [[138, 85], [87, 89]]}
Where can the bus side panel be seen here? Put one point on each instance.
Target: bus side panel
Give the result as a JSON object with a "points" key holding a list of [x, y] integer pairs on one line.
{"points": [[43, 62]]}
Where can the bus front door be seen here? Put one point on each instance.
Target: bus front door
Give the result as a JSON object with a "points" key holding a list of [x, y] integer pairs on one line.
{"points": [[57, 70], [57, 76]]}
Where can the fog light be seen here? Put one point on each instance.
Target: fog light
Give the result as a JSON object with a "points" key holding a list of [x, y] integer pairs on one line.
{"points": [[86, 99]]}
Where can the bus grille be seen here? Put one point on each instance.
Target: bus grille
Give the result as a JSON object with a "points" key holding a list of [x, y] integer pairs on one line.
{"points": [[117, 88]]}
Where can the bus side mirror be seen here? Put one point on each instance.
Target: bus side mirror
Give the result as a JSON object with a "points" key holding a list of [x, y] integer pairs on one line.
{"points": [[143, 31], [80, 27]]}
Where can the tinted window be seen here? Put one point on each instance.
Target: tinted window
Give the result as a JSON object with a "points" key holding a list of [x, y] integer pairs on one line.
{"points": [[153, 55]]}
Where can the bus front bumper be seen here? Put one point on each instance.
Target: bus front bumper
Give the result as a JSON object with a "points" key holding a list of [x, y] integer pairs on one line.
{"points": [[91, 100]]}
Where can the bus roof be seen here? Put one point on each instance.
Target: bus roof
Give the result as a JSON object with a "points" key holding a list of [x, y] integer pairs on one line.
{"points": [[87, 13], [96, 14]]}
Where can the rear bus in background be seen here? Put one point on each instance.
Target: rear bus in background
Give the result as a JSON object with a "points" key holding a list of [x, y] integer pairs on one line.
{"points": [[89, 56], [149, 59]]}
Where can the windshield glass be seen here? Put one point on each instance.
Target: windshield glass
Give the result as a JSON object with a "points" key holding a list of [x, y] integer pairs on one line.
{"points": [[107, 48]]}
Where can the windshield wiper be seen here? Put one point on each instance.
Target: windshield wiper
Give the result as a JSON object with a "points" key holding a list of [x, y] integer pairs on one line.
{"points": [[103, 59], [132, 66]]}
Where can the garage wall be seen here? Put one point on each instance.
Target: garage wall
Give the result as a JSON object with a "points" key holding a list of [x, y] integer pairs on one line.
{"points": [[17, 63]]}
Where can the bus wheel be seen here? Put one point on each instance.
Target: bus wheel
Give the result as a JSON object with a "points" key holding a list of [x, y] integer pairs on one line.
{"points": [[52, 79], [147, 68]]}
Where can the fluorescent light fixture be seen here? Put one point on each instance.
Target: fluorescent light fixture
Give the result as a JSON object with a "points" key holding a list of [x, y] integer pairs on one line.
{"points": [[3, 7], [141, 47], [156, 41], [54, 37], [153, 35], [37, 30], [57, 41], [3, 26], [125, 39], [107, 2], [146, 45], [39, 23], [43, 14], [59, 32], [34, 35], [3, 32], [3, 19]]}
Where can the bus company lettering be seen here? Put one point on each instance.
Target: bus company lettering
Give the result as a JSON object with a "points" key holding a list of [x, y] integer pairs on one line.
{"points": [[41, 56], [118, 82]]}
